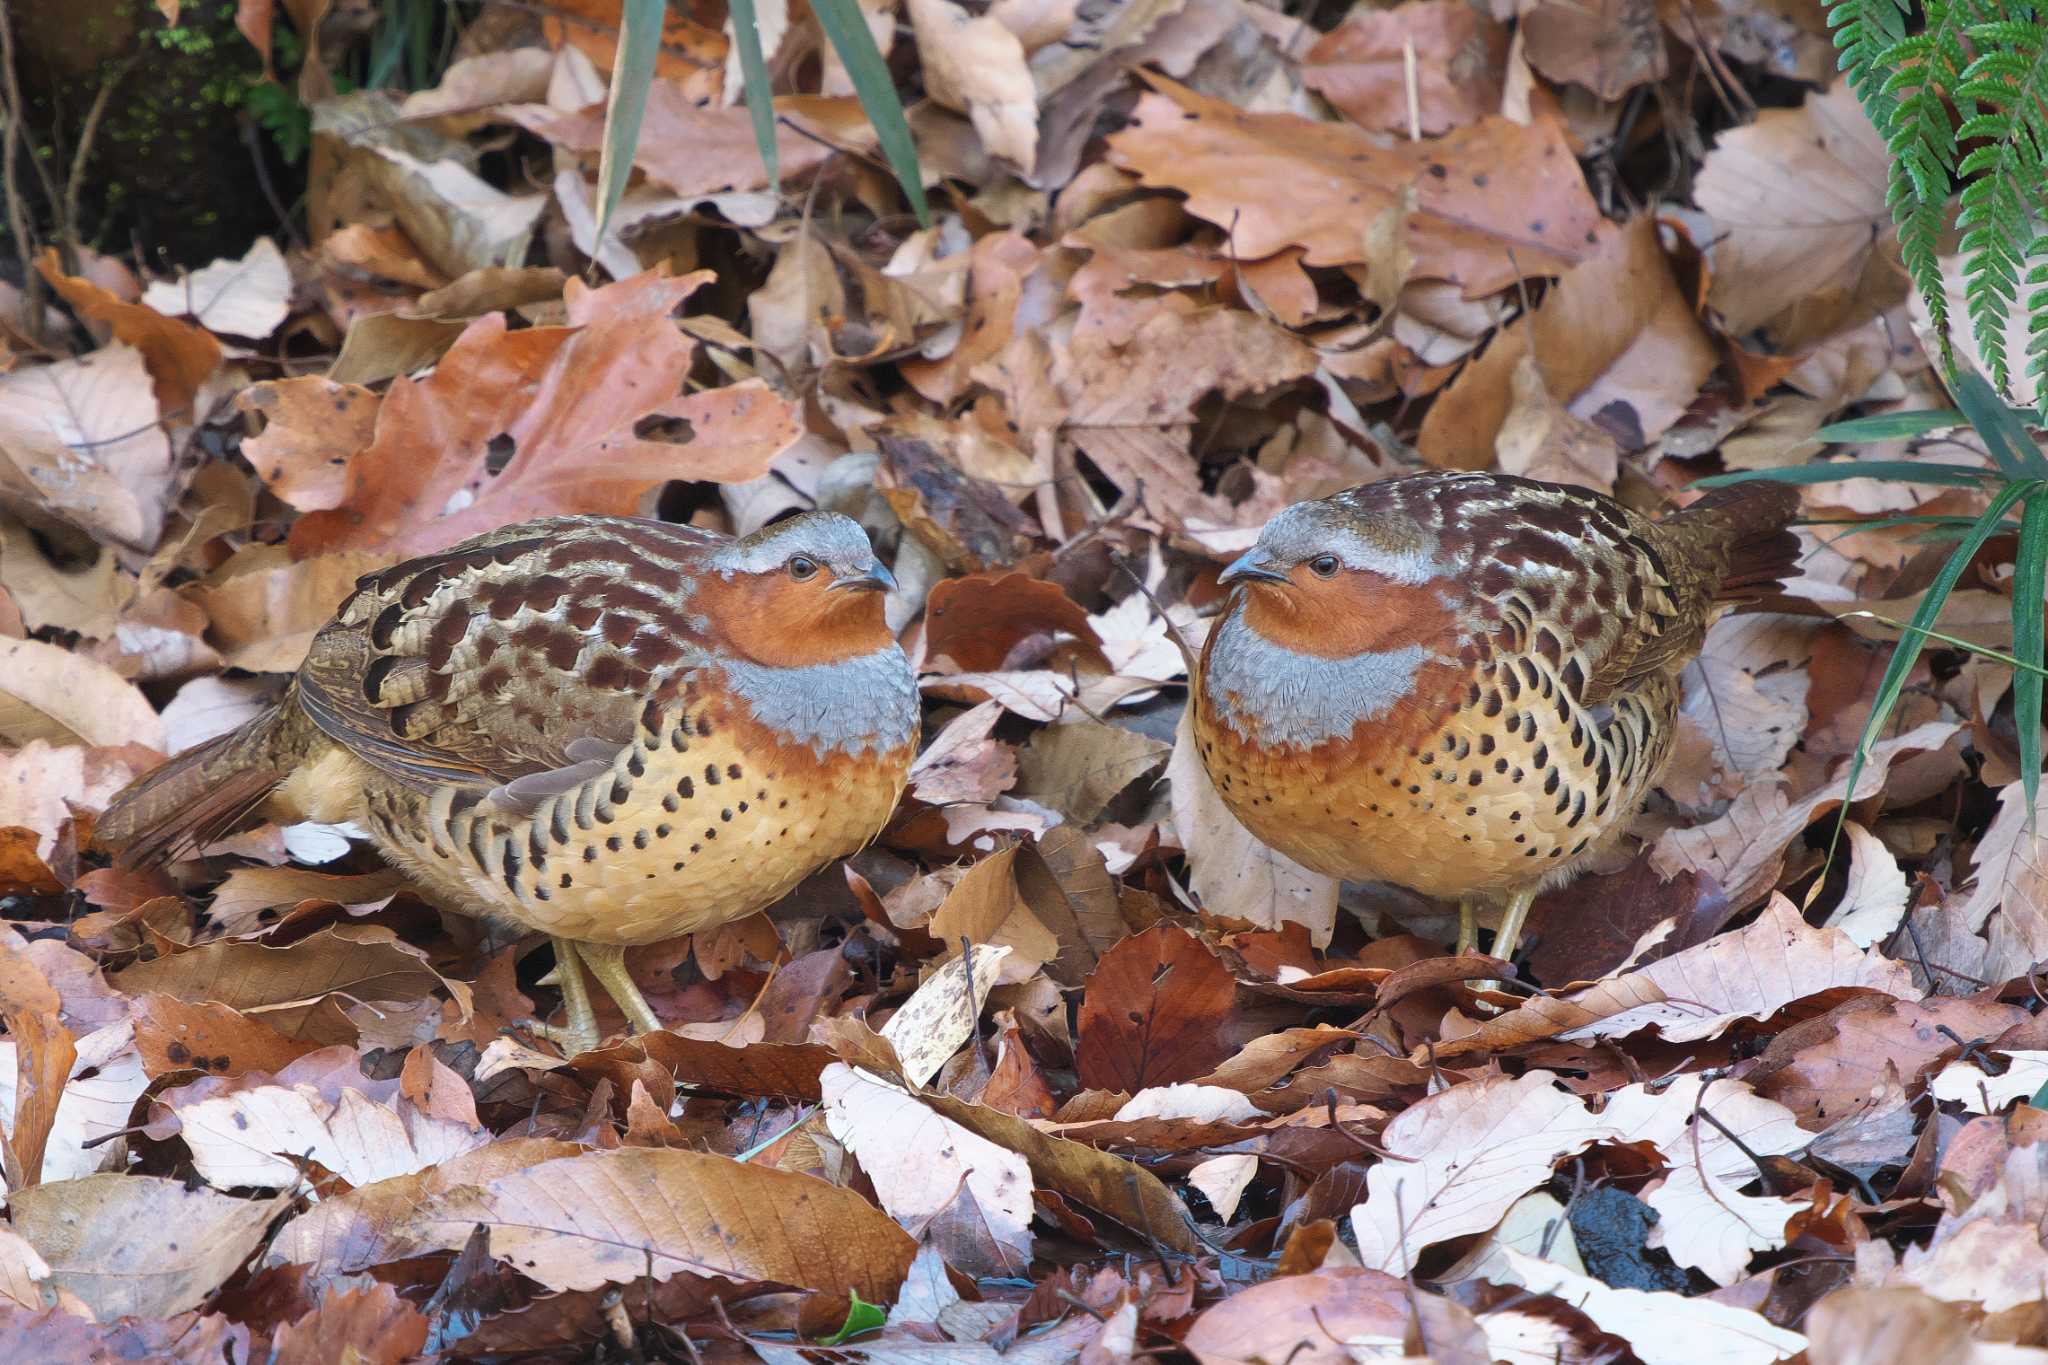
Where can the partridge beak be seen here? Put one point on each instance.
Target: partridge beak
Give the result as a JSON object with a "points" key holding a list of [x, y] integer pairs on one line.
{"points": [[1254, 565], [876, 579]]}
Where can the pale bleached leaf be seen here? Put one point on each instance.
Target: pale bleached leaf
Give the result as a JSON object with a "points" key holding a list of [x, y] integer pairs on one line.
{"points": [[1661, 1328], [1460, 1159], [922, 1165], [246, 1137], [1874, 898], [1968, 1084], [937, 1018]]}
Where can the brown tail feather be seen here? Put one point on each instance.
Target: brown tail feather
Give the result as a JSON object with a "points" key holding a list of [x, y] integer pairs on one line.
{"points": [[194, 798], [1749, 520]]}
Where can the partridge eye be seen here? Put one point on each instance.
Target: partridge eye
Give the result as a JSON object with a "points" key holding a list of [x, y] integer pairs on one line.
{"points": [[802, 568], [1323, 566]]}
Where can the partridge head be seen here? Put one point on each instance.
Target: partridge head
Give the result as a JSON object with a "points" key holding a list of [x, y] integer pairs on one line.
{"points": [[1466, 683], [608, 729]]}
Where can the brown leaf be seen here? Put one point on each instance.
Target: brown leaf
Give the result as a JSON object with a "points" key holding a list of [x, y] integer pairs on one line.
{"points": [[986, 908], [1154, 1012], [974, 64], [1127, 1192], [1824, 1069], [140, 1245], [1079, 765], [1066, 883], [44, 1054], [1512, 208], [178, 1035], [1798, 203], [366, 1326], [1361, 66], [312, 428], [1616, 342], [363, 962], [1301, 1319], [979, 621], [615, 1217], [574, 401], [265, 609], [371, 1224], [1749, 974], [925, 1168], [697, 150], [180, 357], [48, 693], [1744, 848], [242, 899], [39, 785], [1610, 47]]}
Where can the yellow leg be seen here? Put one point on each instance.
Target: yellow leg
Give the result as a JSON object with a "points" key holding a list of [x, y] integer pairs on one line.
{"points": [[607, 962], [1511, 924], [1468, 926], [578, 1030]]}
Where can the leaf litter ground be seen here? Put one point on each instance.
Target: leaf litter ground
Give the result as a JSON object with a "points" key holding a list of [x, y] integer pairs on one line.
{"points": [[1193, 262]]}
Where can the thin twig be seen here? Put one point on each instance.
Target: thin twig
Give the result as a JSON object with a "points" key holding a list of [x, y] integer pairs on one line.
{"points": [[18, 225], [988, 1060], [67, 222]]}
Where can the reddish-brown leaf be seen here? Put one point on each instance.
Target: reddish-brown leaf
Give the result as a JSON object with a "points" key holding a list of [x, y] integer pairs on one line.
{"points": [[1154, 1012]]}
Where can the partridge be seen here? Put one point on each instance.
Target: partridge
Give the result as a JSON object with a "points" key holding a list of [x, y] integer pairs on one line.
{"points": [[607, 729], [1466, 683]]}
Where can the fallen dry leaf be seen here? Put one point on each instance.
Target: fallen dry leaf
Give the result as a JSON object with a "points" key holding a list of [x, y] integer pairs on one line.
{"points": [[1798, 203], [1154, 1006], [80, 440], [434, 437], [1749, 974], [1277, 180], [926, 1168], [103, 1237], [1361, 66], [618, 1217]]}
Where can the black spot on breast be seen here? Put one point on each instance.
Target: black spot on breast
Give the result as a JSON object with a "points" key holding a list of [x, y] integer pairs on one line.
{"points": [[671, 803], [639, 838], [614, 843], [732, 770], [711, 774], [590, 853], [636, 764], [686, 789]]}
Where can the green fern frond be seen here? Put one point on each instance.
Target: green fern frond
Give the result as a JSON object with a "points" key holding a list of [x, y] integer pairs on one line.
{"points": [[1864, 31], [1923, 71], [2037, 321], [2007, 82]]}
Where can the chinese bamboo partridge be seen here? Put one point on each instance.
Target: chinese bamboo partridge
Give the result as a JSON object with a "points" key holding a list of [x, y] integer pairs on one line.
{"points": [[1466, 683], [611, 730]]}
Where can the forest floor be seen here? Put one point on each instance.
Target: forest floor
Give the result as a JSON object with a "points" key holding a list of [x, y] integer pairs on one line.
{"points": [[1189, 262]]}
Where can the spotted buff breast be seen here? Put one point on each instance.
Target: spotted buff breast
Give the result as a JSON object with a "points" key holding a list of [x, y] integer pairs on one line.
{"points": [[1467, 683], [607, 729]]}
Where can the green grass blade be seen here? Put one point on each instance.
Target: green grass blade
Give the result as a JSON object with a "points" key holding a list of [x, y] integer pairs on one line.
{"points": [[1907, 652], [1891, 426], [847, 31], [1832, 471], [2005, 435], [2029, 574], [626, 106], [746, 31]]}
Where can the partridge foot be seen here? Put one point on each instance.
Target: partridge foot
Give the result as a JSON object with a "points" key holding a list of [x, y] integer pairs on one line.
{"points": [[578, 1032]]}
